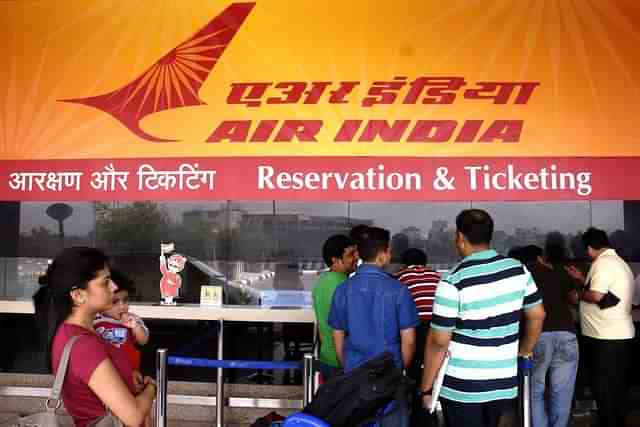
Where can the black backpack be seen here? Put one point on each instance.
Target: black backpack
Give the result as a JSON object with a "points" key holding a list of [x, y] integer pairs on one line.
{"points": [[356, 398]]}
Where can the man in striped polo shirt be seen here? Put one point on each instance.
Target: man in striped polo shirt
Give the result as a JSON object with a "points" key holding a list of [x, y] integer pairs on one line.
{"points": [[476, 316]]}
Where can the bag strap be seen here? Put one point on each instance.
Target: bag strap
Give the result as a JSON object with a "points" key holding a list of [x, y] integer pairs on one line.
{"points": [[56, 391]]}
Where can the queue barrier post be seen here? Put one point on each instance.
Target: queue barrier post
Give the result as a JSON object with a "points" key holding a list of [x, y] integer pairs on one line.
{"points": [[163, 360], [307, 379], [161, 390], [220, 377]]}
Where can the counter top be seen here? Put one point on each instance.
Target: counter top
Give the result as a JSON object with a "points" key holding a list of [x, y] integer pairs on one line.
{"points": [[236, 313]]}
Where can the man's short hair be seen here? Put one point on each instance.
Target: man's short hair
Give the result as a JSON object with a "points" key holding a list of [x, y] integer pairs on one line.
{"points": [[414, 256], [375, 241], [476, 225], [595, 238], [358, 233], [530, 254], [334, 247]]}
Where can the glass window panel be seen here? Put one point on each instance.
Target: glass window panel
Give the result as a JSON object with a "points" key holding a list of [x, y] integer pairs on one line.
{"points": [[131, 233], [427, 226], [619, 220], [278, 245], [44, 229], [608, 215], [525, 223]]}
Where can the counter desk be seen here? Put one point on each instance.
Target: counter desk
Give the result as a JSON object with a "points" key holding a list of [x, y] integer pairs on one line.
{"points": [[234, 313]]}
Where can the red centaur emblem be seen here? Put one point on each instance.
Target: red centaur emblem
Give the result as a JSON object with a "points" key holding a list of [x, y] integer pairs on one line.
{"points": [[175, 79]]}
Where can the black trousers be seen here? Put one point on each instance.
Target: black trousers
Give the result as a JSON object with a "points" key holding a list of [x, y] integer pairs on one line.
{"points": [[473, 414], [610, 361]]}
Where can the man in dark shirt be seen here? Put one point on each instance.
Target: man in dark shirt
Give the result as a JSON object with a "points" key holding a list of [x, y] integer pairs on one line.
{"points": [[556, 352]]}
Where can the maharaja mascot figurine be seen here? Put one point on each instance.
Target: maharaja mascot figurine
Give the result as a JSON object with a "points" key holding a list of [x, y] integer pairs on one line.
{"points": [[171, 281]]}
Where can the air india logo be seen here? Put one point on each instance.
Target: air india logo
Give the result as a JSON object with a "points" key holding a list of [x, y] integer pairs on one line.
{"points": [[175, 79]]}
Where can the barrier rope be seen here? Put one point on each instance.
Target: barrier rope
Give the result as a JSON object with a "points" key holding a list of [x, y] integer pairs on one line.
{"points": [[232, 364]]}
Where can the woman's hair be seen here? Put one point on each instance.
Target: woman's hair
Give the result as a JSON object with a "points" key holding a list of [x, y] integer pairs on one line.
{"points": [[72, 268]]}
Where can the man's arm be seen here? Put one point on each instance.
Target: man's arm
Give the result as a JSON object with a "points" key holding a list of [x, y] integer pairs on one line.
{"points": [[407, 322], [407, 345], [586, 295], [534, 319], [338, 339], [338, 321], [436, 348], [590, 296]]}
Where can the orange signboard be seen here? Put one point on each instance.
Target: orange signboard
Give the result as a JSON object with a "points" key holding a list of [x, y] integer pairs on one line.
{"points": [[333, 100], [155, 79]]}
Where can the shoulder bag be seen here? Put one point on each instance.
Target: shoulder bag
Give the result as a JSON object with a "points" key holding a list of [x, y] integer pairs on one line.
{"points": [[50, 417]]}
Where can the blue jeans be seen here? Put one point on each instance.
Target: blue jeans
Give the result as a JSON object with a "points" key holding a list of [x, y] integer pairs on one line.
{"points": [[556, 356]]}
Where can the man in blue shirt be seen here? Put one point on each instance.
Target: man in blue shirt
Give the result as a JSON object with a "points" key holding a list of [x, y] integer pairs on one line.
{"points": [[372, 312]]}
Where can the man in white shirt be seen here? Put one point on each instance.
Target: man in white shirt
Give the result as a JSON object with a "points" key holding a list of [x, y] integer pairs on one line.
{"points": [[605, 318]]}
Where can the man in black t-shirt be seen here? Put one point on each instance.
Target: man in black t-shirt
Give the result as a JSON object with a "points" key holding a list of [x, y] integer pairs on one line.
{"points": [[556, 352]]}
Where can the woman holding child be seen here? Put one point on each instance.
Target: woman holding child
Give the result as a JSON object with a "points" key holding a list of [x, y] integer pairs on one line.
{"points": [[76, 287]]}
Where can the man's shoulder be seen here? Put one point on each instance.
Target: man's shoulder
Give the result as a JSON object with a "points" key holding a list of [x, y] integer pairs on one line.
{"points": [[486, 270], [377, 278], [611, 264], [393, 284], [329, 279], [610, 259], [415, 271]]}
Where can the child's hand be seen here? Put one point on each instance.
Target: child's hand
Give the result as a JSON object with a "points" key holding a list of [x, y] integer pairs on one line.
{"points": [[140, 332], [130, 320]]}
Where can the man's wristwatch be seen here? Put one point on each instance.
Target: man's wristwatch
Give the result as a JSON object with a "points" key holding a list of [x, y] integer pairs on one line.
{"points": [[422, 393]]}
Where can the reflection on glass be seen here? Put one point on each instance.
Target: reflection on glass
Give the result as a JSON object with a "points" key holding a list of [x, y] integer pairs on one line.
{"points": [[131, 233], [621, 222], [249, 247], [252, 246], [427, 226], [40, 233], [607, 215], [529, 223], [278, 245]]}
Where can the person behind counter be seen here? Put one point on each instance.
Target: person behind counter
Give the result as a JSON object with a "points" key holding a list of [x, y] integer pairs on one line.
{"points": [[76, 287]]}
